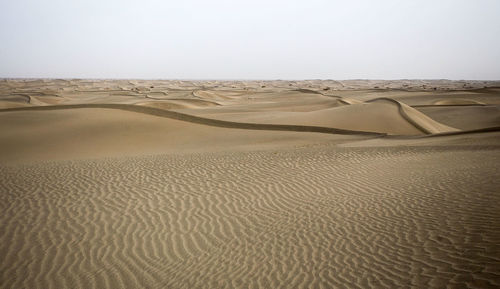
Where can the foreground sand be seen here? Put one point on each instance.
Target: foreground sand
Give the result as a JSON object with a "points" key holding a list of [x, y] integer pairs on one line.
{"points": [[232, 184]]}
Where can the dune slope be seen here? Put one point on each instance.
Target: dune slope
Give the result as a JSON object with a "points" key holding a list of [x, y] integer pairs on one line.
{"points": [[379, 115], [93, 132]]}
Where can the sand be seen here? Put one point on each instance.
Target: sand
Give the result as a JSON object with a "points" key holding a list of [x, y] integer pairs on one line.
{"points": [[249, 184]]}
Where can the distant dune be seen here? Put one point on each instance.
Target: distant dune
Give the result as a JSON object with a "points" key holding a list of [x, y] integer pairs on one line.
{"points": [[249, 184]]}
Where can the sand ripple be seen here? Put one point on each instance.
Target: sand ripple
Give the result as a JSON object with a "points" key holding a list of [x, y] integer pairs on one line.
{"points": [[302, 218]]}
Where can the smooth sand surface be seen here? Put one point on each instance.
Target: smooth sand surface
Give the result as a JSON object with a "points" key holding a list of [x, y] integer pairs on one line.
{"points": [[249, 184]]}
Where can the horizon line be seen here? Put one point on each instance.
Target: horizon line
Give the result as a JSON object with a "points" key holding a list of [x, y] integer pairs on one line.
{"points": [[244, 79]]}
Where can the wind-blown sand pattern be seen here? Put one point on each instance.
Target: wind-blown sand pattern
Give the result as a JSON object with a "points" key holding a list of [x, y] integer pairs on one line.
{"points": [[249, 184]]}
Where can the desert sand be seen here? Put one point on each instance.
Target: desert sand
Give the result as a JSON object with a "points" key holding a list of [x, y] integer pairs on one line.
{"points": [[249, 184]]}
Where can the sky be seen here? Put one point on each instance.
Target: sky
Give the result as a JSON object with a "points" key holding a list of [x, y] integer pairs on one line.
{"points": [[251, 39]]}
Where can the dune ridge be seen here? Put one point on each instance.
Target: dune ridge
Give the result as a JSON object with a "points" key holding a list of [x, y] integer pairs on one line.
{"points": [[457, 102], [195, 119], [418, 119], [423, 123]]}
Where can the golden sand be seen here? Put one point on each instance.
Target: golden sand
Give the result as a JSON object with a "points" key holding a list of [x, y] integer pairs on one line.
{"points": [[224, 184]]}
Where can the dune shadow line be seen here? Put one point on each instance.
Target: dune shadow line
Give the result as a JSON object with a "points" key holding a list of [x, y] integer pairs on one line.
{"points": [[198, 120]]}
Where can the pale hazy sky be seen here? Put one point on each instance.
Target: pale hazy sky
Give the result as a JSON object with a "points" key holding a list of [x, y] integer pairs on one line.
{"points": [[251, 39]]}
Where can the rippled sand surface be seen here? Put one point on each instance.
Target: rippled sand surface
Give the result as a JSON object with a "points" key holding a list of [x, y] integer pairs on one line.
{"points": [[251, 193]]}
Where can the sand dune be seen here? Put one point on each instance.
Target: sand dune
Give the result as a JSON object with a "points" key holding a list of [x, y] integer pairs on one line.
{"points": [[43, 133], [12, 104], [418, 119], [459, 101], [465, 117], [378, 115], [212, 95], [179, 103], [17, 98], [249, 184]]}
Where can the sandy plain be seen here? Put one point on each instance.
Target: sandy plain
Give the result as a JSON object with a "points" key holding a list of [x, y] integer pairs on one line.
{"points": [[249, 184]]}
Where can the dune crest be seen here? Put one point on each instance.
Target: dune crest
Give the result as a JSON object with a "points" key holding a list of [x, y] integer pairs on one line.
{"points": [[458, 101], [418, 119], [178, 103]]}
